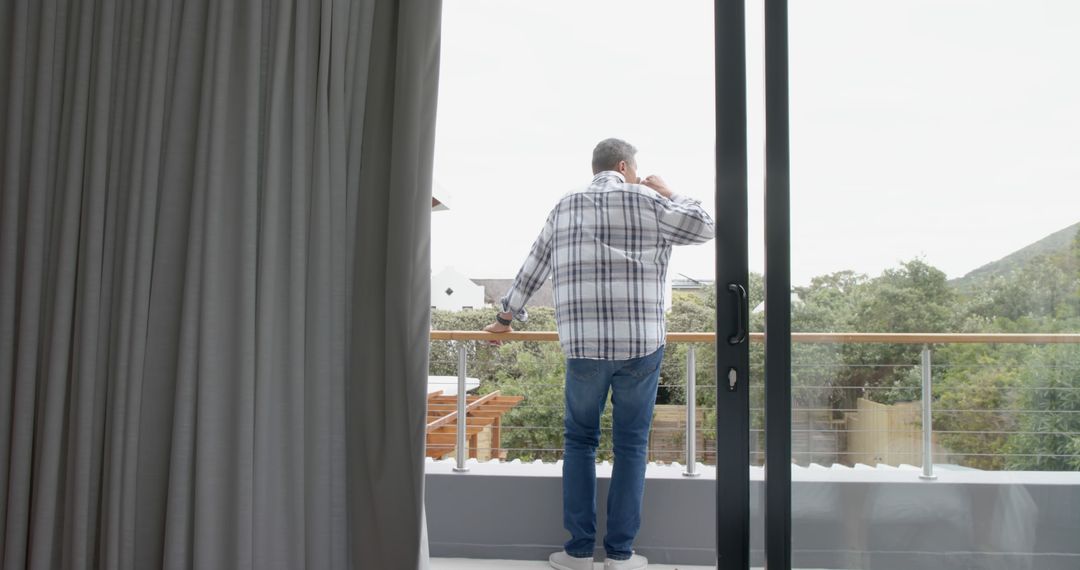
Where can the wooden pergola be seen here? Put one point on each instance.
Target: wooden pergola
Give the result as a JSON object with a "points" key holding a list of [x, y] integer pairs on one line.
{"points": [[483, 423]]}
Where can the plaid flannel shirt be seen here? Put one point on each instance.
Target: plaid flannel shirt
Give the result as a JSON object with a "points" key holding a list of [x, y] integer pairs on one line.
{"points": [[607, 248]]}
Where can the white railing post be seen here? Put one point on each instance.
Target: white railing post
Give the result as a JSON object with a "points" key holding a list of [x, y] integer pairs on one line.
{"points": [[691, 413], [461, 424], [927, 417]]}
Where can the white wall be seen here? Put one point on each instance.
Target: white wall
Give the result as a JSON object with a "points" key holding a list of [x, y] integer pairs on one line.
{"points": [[863, 518], [465, 292]]}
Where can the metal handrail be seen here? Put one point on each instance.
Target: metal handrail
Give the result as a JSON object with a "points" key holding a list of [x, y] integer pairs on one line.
{"points": [[803, 337], [924, 339]]}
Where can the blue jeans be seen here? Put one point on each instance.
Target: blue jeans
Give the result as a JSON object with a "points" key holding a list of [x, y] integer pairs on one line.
{"points": [[633, 395]]}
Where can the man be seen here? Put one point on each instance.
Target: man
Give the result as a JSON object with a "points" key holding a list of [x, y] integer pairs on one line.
{"points": [[607, 247]]}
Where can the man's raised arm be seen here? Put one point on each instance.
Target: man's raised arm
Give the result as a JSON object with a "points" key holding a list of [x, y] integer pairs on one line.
{"points": [[682, 220]]}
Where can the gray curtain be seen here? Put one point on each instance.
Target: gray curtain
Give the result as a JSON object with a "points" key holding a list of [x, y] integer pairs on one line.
{"points": [[214, 282]]}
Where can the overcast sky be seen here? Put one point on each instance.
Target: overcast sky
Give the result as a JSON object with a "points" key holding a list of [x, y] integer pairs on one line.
{"points": [[943, 129]]}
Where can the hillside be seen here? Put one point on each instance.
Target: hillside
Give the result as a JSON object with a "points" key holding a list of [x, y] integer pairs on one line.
{"points": [[1053, 243]]}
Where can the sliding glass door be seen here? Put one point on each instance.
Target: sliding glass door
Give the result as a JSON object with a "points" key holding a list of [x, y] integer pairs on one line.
{"points": [[753, 324], [935, 399], [907, 394]]}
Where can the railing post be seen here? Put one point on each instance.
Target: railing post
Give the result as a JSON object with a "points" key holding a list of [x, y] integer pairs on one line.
{"points": [[927, 417], [461, 423], [691, 412]]}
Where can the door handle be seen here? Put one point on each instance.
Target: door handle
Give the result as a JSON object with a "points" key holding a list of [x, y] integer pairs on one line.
{"points": [[742, 316]]}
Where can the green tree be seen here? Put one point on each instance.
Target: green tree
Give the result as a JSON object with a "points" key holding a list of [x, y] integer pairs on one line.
{"points": [[830, 303], [483, 361], [1049, 284], [534, 428], [1006, 298], [973, 398], [996, 406], [691, 312], [914, 298], [1074, 266], [1048, 437]]}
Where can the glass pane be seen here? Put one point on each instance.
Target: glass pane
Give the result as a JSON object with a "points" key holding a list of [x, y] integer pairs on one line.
{"points": [[934, 163], [527, 90]]}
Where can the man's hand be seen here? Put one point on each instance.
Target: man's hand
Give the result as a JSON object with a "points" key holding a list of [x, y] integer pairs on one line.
{"points": [[497, 327], [656, 183]]}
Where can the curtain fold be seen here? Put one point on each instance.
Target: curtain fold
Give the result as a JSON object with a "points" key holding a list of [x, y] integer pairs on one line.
{"points": [[214, 282]]}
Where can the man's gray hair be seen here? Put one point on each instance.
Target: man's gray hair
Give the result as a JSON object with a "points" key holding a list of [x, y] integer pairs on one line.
{"points": [[609, 152]]}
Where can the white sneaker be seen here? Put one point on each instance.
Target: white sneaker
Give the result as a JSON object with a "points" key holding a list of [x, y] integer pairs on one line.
{"points": [[563, 561], [635, 562]]}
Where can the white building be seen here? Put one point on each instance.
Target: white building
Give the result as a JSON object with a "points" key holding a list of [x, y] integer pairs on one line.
{"points": [[452, 291]]}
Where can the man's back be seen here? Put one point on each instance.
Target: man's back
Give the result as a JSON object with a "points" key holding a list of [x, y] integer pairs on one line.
{"points": [[607, 247]]}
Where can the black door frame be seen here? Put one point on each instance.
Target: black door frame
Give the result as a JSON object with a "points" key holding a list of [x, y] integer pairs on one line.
{"points": [[732, 273], [732, 280], [777, 291]]}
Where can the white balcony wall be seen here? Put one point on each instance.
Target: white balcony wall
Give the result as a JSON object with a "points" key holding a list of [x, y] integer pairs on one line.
{"points": [[884, 518]]}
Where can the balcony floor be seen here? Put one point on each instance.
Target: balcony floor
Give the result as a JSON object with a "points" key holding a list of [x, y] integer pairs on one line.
{"points": [[471, 564]]}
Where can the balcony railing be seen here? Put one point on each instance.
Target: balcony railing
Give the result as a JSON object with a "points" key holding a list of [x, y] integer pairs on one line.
{"points": [[834, 422]]}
